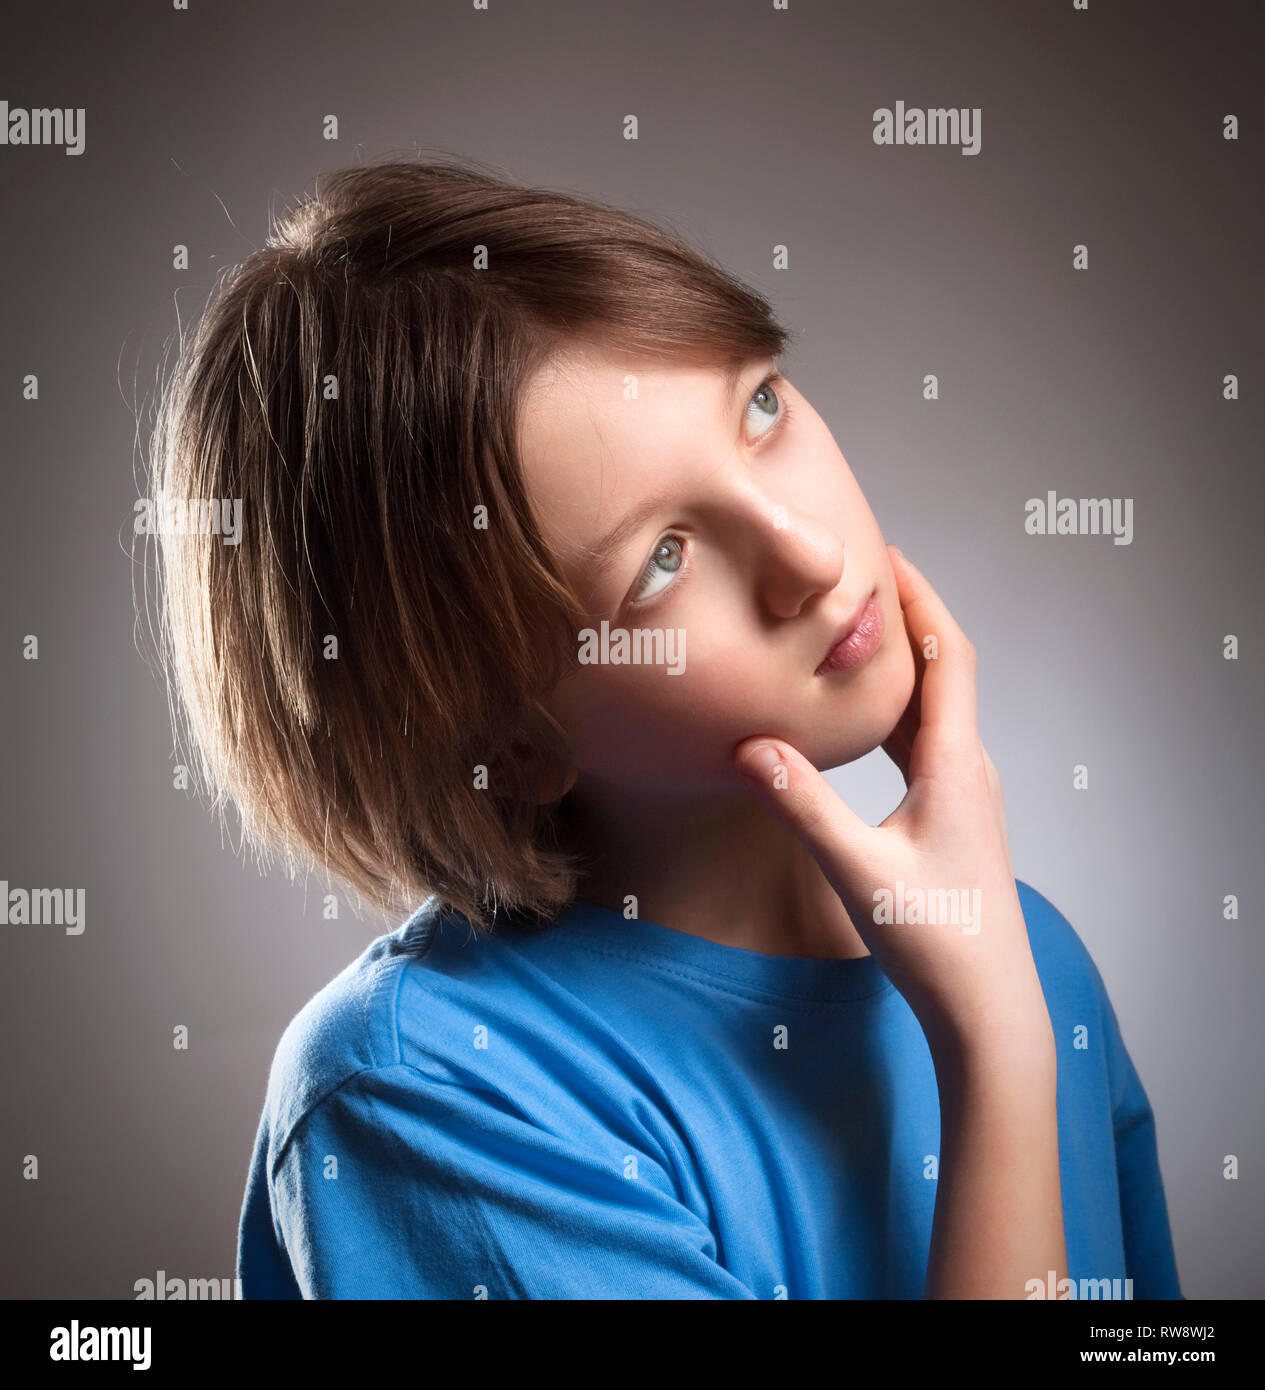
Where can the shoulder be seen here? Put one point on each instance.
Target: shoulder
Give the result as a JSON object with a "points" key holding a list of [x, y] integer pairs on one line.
{"points": [[406, 1008], [347, 1027], [1061, 957], [1074, 988], [1080, 1007]]}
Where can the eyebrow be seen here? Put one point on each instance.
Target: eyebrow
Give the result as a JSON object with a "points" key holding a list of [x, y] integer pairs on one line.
{"points": [[605, 551]]}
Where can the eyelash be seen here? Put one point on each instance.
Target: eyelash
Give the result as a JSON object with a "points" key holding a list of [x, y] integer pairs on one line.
{"points": [[784, 414]]}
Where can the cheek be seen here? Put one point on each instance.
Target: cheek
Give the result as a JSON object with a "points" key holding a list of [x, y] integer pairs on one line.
{"points": [[638, 725], [853, 721], [641, 720]]}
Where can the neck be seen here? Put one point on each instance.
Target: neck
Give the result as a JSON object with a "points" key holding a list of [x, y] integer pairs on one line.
{"points": [[723, 868]]}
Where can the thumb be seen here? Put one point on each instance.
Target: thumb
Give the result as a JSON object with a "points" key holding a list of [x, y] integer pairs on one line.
{"points": [[838, 839]]}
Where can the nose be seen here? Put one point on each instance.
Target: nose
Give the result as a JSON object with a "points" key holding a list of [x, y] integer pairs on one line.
{"points": [[798, 558]]}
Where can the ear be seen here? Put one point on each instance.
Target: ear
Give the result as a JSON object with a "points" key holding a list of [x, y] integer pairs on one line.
{"points": [[552, 789], [549, 782]]}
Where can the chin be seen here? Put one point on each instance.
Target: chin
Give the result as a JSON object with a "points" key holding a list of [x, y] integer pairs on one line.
{"points": [[880, 697]]}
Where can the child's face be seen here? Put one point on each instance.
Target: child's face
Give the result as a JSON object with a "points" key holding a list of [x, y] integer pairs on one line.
{"points": [[760, 549]]}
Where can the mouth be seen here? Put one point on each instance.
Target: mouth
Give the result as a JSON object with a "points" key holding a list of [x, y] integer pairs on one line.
{"points": [[858, 639]]}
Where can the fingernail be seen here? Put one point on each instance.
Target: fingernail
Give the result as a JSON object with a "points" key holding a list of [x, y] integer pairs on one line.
{"points": [[759, 761], [899, 551]]}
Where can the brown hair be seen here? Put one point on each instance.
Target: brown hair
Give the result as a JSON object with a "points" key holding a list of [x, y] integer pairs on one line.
{"points": [[356, 383]]}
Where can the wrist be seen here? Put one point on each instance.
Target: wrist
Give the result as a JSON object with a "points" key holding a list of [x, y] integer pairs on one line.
{"points": [[1018, 1042]]}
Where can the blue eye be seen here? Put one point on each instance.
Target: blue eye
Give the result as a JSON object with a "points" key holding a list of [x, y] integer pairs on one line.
{"points": [[665, 562], [771, 404], [668, 554]]}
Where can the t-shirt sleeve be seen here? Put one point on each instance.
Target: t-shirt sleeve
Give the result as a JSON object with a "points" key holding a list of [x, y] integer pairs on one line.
{"points": [[400, 1185], [1148, 1243]]}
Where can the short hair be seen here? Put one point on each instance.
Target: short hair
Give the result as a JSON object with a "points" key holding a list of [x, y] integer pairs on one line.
{"points": [[356, 383]]}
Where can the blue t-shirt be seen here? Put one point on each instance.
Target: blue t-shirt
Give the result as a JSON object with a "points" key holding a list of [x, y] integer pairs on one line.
{"points": [[613, 1109]]}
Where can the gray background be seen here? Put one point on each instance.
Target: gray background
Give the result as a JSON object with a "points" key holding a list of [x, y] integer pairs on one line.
{"points": [[755, 129]]}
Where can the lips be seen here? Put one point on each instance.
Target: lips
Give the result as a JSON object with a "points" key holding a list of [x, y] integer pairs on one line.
{"points": [[857, 640]]}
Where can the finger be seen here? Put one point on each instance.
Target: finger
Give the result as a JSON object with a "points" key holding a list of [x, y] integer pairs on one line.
{"points": [[898, 751], [995, 789], [948, 682], [899, 744], [994, 778], [899, 747], [838, 839]]}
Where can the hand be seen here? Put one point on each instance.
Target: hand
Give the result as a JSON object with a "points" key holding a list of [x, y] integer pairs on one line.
{"points": [[973, 974]]}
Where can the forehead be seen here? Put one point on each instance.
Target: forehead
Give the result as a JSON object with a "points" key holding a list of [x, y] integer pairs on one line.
{"points": [[599, 431]]}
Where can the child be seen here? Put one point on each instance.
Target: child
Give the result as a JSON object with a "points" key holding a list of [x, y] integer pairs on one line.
{"points": [[538, 550]]}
